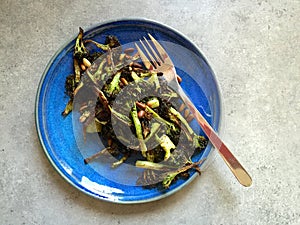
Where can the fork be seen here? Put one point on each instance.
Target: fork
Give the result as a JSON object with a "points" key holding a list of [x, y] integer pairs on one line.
{"points": [[160, 61]]}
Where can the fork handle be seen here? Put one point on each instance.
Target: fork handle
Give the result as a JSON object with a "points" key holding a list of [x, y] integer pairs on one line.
{"points": [[234, 165]]}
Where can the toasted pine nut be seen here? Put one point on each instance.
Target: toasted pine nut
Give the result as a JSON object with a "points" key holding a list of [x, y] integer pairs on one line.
{"points": [[82, 119], [181, 108], [141, 113], [138, 69], [83, 67], [179, 79], [141, 105], [135, 64], [153, 103], [128, 56], [186, 113], [86, 62], [129, 50], [124, 81], [108, 59], [190, 118], [83, 107]]}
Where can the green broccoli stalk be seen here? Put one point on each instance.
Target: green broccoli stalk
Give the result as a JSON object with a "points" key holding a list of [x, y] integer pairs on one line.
{"points": [[172, 175], [114, 84], [154, 129], [77, 71], [153, 165], [154, 79], [122, 118], [198, 141], [170, 95], [201, 142], [181, 118], [92, 77], [80, 51], [119, 162], [98, 72], [155, 115], [68, 108], [134, 76], [166, 172], [138, 130], [166, 144], [153, 103], [101, 46]]}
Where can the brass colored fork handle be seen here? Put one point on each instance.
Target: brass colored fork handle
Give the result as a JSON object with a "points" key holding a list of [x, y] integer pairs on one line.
{"points": [[237, 169]]}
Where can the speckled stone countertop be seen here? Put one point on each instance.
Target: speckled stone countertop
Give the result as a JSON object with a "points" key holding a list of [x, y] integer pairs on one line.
{"points": [[253, 47]]}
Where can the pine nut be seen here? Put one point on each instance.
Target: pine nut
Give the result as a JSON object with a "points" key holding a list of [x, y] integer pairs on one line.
{"points": [[179, 79], [83, 67], [141, 113], [190, 118], [124, 81], [181, 108], [129, 50], [86, 62], [141, 105], [186, 113]]}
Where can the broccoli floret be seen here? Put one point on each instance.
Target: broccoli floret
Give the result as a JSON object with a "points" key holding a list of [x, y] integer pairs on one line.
{"points": [[80, 51]]}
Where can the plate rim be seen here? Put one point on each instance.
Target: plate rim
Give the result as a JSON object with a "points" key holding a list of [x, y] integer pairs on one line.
{"points": [[38, 123]]}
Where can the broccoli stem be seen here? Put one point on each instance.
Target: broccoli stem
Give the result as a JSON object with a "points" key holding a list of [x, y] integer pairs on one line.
{"points": [[114, 85], [138, 130], [95, 156], [171, 176], [167, 145], [99, 69], [154, 78], [76, 70], [120, 116], [134, 76], [119, 162], [170, 95], [101, 46], [181, 118], [147, 74], [154, 129], [152, 165], [153, 103], [68, 108], [198, 141], [80, 85], [92, 77], [80, 50], [156, 116]]}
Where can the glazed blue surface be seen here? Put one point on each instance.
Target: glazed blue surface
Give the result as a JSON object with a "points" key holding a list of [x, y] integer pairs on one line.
{"points": [[57, 134]]}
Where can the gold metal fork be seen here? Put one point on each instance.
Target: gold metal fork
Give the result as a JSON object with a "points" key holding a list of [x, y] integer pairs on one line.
{"points": [[160, 61]]}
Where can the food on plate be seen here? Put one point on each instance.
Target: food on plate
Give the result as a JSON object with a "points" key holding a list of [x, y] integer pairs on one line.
{"points": [[138, 117]]}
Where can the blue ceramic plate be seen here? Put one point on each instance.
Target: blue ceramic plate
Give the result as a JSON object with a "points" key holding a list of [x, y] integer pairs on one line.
{"points": [[60, 139]]}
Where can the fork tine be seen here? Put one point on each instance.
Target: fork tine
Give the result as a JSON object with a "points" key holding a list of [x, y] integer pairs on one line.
{"points": [[153, 52], [149, 54], [165, 57], [144, 58]]}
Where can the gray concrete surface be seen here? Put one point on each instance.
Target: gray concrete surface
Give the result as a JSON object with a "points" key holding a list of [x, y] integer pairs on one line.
{"points": [[253, 46]]}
